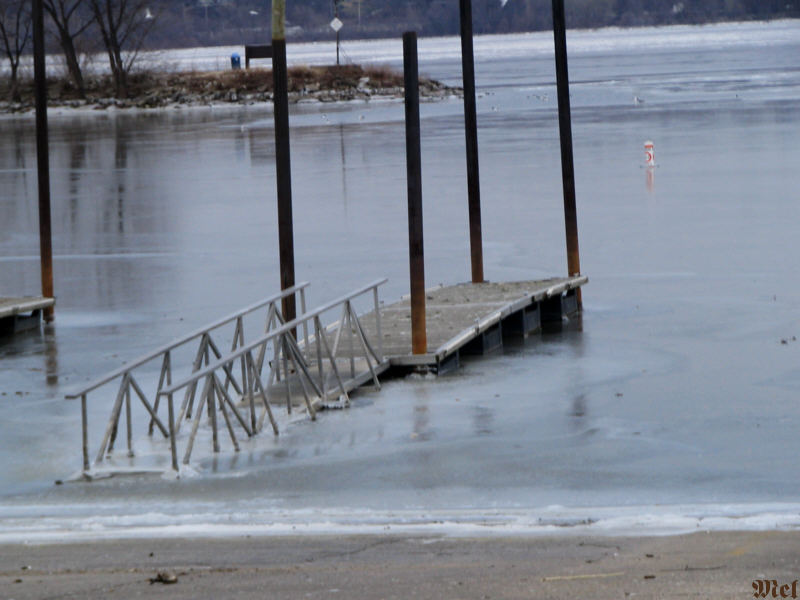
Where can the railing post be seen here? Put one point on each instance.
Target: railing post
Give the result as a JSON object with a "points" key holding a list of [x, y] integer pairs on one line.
{"points": [[565, 133], [172, 442], [165, 375], [350, 333], [240, 341], [419, 343], [85, 425], [111, 429], [285, 362], [471, 133], [212, 410], [128, 423], [251, 389], [378, 320], [318, 332], [305, 321]]}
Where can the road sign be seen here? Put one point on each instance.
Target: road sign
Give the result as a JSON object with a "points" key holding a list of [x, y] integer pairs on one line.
{"points": [[336, 25]]}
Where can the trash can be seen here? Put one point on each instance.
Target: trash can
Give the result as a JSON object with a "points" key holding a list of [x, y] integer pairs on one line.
{"points": [[236, 61]]}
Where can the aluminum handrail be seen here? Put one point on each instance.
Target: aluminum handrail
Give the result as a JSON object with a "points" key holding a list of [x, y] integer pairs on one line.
{"points": [[287, 327], [178, 342]]}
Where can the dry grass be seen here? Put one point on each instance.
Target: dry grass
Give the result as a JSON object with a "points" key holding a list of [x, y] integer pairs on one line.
{"points": [[244, 80], [155, 88], [300, 78]]}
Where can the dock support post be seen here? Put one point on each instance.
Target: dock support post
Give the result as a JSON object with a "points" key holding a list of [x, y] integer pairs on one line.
{"points": [[471, 133], [280, 99], [43, 158], [416, 255], [565, 132]]}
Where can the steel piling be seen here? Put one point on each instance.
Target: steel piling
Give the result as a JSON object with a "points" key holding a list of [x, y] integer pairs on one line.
{"points": [[42, 158], [419, 344], [565, 132], [280, 99], [471, 133]]}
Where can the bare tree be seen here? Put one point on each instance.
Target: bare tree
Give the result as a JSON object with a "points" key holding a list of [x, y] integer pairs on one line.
{"points": [[71, 18], [15, 31], [124, 25]]}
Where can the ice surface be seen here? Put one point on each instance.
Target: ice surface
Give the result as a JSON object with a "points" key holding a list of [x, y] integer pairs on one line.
{"points": [[675, 406]]}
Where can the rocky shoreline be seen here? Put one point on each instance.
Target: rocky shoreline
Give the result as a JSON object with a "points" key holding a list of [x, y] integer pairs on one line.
{"points": [[234, 87]]}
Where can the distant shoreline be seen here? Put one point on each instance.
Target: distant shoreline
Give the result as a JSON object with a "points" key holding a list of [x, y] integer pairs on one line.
{"points": [[156, 90]]}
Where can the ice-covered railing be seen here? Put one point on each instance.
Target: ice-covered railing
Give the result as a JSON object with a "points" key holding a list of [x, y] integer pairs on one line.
{"points": [[292, 361], [232, 384], [193, 351]]}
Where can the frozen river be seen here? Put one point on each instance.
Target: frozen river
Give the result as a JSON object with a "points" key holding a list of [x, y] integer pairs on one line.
{"points": [[675, 407]]}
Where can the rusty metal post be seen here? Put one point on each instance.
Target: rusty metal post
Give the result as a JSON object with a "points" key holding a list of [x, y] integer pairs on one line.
{"points": [[471, 133], [565, 131], [280, 99], [42, 158], [416, 255]]}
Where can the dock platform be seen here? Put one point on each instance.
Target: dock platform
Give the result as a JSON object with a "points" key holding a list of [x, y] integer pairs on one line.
{"points": [[471, 318], [462, 319], [22, 313], [306, 364]]}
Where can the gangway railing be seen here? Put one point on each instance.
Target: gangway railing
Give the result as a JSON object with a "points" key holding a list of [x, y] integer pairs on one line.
{"points": [[207, 349], [244, 377]]}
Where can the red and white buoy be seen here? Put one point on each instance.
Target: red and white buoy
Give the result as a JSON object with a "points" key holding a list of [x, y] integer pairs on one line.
{"points": [[649, 154]]}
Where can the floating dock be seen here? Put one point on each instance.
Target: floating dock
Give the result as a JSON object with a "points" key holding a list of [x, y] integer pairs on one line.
{"points": [[471, 318], [304, 363], [20, 314], [466, 319]]}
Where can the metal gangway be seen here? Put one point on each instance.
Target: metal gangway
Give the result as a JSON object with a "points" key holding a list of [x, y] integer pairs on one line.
{"points": [[300, 362]]}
